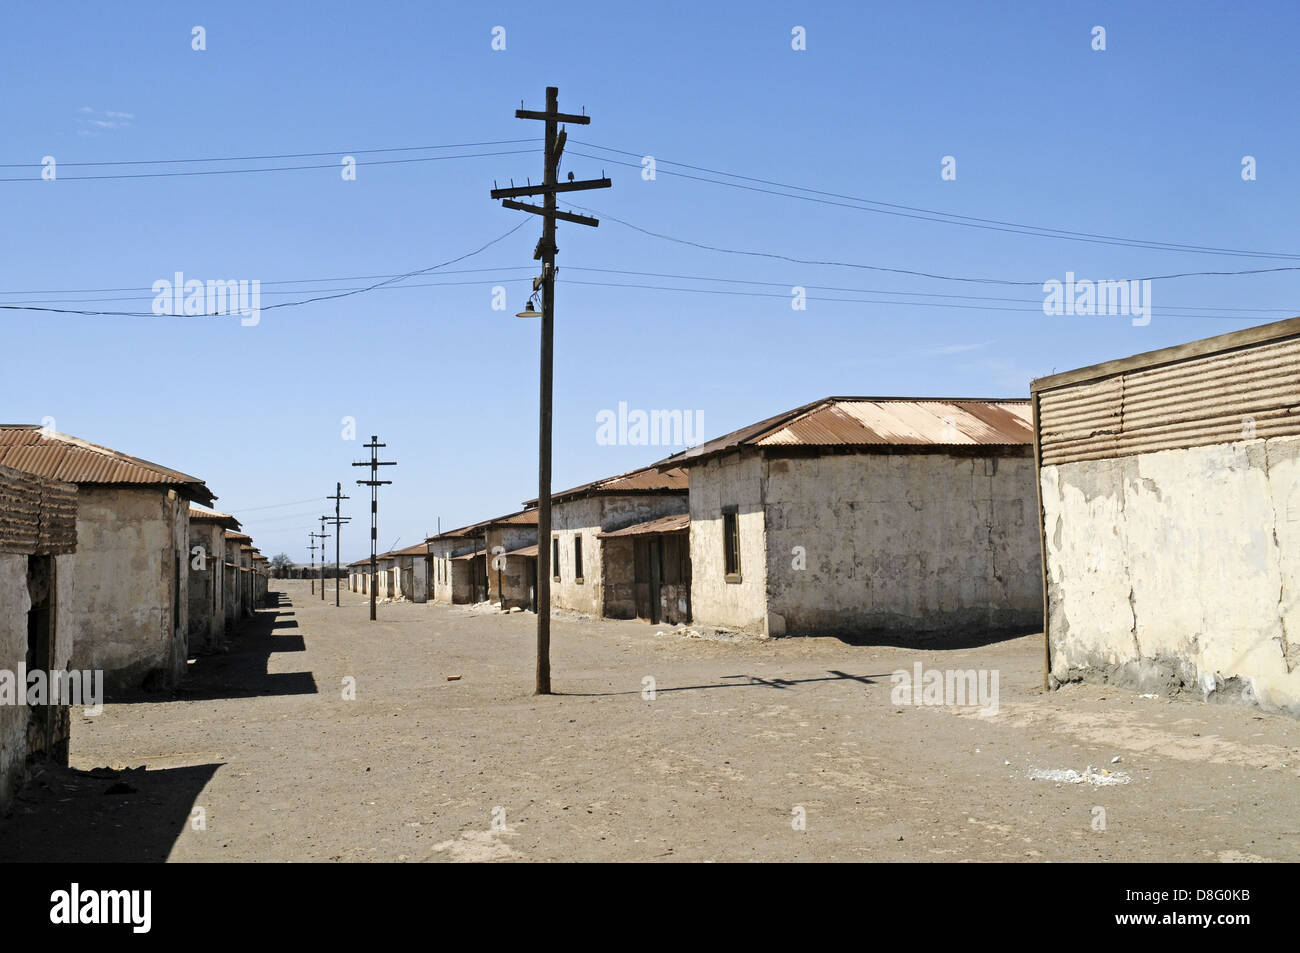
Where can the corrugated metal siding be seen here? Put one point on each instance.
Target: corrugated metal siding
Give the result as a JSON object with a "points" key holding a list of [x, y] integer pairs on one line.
{"points": [[37, 516], [1192, 403]]}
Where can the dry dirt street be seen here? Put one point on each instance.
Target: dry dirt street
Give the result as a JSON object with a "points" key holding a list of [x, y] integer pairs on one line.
{"points": [[738, 737]]}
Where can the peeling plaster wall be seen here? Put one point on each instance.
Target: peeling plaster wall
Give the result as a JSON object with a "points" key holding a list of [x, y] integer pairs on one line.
{"points": [[1179, 569], [128, 540], [912, 543], [734, 480]]}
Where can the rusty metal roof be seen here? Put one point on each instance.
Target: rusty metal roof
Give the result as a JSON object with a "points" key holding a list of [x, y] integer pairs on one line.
{"points": [[874, 423], [481, 552], [525, 551], [651, 479], [234, 537], [522, 518], [200, 515], [664, 524], [56, 456], [419, 549]]}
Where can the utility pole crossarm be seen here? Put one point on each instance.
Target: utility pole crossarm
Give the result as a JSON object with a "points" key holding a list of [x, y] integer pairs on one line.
{"points": [[523, 190], [573, 217]]}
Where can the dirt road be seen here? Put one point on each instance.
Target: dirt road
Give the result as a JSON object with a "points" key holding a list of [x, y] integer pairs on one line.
{"points": [[741, 742]]}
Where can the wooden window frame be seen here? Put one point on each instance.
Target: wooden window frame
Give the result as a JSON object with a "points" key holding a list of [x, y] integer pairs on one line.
{"points": [[731, 571]]}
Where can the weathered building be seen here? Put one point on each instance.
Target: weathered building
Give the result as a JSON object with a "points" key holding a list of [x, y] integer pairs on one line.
{"points": [[858, 516], [648, 570], [38, 535], [207, 576], [1170, 525], [412, 569], [580, 579], [511, 545], [458, 564], [236, 610], [131, 610]]}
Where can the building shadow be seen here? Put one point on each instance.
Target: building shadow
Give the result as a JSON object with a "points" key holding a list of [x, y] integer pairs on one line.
{"points": [[240, 669], [931, 641], [62, 815]]}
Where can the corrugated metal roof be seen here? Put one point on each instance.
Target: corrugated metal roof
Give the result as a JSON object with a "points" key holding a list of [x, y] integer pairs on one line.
{"points": [[649, 479], [233, 536], [525, 551], [419, 549], [58, 456], [481, 552], [522, 518], [664, 524], [200, 515], [876, 422]]}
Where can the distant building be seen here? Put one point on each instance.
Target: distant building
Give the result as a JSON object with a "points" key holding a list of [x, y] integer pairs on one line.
{"points": [[1171, 518], [861, 517], [459, 565], [207, 576]]}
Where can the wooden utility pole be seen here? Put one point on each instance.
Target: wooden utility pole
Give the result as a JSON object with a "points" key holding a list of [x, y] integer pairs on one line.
{"points": [[312, 548], [321, 536], [337, 520], [545, 251], [374, 483]]}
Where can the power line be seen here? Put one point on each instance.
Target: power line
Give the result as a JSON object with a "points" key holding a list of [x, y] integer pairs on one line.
{"points": [[285, 168], [284, 304], [500, 279], [929, 215], [904, 271], [1174, 311], [282, 155]]}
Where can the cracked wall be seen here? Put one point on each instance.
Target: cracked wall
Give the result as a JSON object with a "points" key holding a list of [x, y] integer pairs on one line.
{"points": [[1179, 570]]}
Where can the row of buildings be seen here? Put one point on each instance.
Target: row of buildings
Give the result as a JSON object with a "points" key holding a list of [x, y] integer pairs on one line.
{"points": [[108, 564], [1144, 513]]}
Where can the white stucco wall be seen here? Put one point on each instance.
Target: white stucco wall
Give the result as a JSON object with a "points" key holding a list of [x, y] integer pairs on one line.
{"points": [[917, 544], [1179, 569], [729, 481]]}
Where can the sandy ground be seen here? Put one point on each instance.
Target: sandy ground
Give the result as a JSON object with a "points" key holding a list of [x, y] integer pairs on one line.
{"points": [[741, 741]]}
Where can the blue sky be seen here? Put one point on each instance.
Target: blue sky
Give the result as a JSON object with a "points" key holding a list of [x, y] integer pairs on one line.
{"points": [[1143, 140]]}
